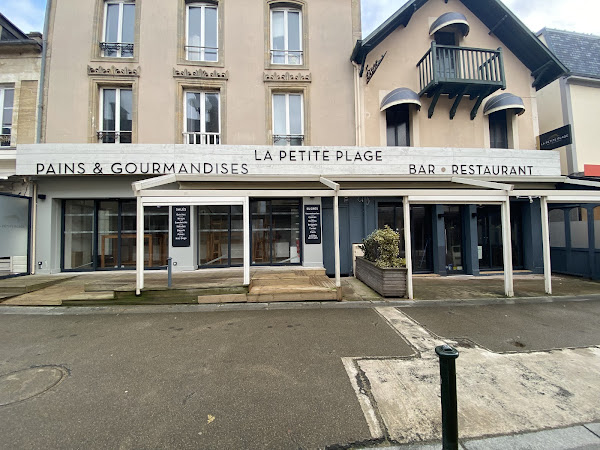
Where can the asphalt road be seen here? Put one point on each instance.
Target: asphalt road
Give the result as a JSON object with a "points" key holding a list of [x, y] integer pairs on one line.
{"points": [[245, 379], [517, 327]]}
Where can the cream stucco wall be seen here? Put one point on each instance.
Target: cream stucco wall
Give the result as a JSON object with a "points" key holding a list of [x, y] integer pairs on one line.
{"points": [[551, 116], [405, 47], [585, 103], [71, 115], [22, 71]]}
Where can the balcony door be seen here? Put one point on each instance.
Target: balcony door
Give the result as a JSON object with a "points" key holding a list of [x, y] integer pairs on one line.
{"points": [[446, 57]]}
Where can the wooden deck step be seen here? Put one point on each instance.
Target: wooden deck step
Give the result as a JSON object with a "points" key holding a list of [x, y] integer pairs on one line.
{"points": [[222, 298]]}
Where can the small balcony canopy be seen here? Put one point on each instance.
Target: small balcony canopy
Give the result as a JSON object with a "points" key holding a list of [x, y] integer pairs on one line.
{"points": [[400, 96], [503, 102], [450, 20]]}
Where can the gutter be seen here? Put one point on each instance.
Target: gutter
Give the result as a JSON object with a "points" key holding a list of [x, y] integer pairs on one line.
{"points": [[38, 136]]}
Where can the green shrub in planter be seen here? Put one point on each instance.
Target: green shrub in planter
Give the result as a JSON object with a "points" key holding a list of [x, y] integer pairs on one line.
{"points": [[382, 247]]}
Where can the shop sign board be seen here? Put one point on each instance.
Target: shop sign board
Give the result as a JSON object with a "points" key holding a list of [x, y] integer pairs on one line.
{"points": [[149, 160], [312, 224], [180, 216], [556, 138]]}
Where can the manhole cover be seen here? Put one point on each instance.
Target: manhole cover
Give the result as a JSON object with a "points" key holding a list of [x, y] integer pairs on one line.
{"points": [[23, 384]]}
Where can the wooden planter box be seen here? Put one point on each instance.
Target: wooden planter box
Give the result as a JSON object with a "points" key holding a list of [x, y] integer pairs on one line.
{"points": [[386, 282]]}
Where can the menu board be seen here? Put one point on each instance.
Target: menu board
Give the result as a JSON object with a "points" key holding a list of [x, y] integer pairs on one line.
{"points": [[312, 222], [180, 231]]}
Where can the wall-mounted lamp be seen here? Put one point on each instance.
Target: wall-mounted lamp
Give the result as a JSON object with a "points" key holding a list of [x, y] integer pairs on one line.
{"points": [[42, 196]]}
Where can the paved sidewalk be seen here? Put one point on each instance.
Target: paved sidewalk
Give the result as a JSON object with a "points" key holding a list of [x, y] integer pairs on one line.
{"points": [[578, 437]]}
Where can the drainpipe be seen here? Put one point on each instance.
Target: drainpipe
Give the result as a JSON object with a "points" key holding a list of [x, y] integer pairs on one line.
{"points": [[33, 228], [38, 136], [357, 106]]}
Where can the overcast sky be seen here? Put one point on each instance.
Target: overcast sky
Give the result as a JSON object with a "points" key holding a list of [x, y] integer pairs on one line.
{"points": [[573, 15]]}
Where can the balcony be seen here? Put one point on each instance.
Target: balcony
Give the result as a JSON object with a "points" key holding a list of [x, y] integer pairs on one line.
{"points": [[114, 137], [288, 139], [5, 140], [202, 138], [116, 49], [459, 71]]}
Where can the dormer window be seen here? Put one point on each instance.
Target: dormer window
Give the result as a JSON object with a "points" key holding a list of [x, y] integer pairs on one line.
{"points": [[286, 36], [119, 29]]}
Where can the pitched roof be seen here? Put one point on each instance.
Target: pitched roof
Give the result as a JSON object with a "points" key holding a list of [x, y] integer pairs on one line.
{"points": [[10, 30], [579, 52], [497, 17]]}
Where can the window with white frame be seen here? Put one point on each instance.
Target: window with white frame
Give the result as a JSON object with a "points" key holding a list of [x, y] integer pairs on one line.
{"points": [[116, 116], [202, 121], [7, 95], [286, 36], [119, 29], [288, 119], [202, 32]]}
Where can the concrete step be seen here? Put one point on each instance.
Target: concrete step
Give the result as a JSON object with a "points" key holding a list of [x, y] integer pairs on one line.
{"points": [[87, 296], [223, 298]]}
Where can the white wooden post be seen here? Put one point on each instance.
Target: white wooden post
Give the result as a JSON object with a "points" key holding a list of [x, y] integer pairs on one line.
{"points": [[246, 214], [336, 238], [546, 247], [408, 248], [139, 263], [507, 249]]}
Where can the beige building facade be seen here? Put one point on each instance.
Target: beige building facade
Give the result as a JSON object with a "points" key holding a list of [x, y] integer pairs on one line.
{"points": [[574, 99]]}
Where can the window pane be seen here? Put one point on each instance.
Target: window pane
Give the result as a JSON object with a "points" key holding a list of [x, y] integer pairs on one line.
{"points": [[211, 113], [597, 227], [79, 234], [579, 228], [128, 23], [556, 218], [126, 110], [112, 23], [9, 95], [108, 109], [295, 114], [213, 233], [277, 38], [279, 114], [194, 33], [192, 102], [294, 31], [210, 40], [286, 231]]}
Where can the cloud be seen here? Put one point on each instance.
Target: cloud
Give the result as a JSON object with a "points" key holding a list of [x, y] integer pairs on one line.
{"points": [[571, 15], [27, 15]]}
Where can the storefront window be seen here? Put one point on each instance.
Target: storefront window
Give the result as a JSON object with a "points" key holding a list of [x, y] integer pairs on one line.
{"points": [[78, 236], [275, 231], [556, 218], [579, 227], [597, 227], [101, 234]]}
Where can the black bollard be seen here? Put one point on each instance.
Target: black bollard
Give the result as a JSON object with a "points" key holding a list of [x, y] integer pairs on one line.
{"points": [[447, 357], [169, 269]]}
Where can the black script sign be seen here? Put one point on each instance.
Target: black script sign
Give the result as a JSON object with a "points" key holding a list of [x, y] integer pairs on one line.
{"points": [[556, 138], [372, 70], [312, 224], [181, 226]]}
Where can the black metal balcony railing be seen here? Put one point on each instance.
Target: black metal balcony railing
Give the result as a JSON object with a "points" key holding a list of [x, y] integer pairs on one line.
{"points": [[291, 57], [114, 137], [458, 71], [288, 139], [198, 53], [118, 49], [5, 140], [202, 138]]}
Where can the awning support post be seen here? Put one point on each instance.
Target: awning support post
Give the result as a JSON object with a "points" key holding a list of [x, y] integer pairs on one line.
{"points": [[546, 247], [408, 249], [246, 214], [139, 237], [336, 238], [507, 249]]}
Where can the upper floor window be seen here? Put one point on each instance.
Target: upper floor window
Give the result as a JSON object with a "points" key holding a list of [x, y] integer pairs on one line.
{"points": [[286, 36], [202, 123], [202, 32], [397, 126], [7, 95], [498, 130], [119, 29], [116, 113], [288, 119]]}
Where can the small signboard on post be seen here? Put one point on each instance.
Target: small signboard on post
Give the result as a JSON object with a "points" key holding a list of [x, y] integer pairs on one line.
{"points": [[556, 138], [312, 224], [181, 226]]}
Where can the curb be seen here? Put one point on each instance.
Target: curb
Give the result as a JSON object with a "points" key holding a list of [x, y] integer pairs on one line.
{"points": [[187, 308]]}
